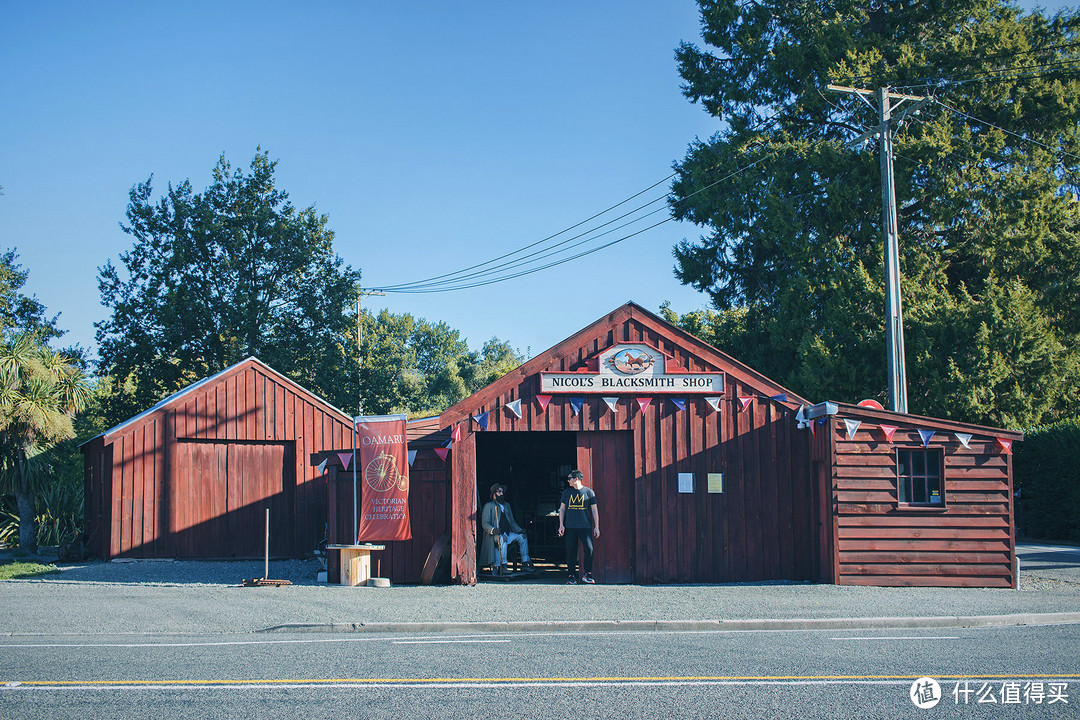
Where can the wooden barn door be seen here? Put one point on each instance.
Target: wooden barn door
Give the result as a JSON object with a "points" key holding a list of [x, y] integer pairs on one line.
{"points": [[606, 459], [220, 494]]}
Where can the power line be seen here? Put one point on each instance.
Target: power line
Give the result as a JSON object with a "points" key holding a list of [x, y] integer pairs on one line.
{"points": [[967, 116], [456, 284], [399, 286]]}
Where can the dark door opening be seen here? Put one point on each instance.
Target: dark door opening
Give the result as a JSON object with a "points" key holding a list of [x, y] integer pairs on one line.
{"points": [[533, 466]]}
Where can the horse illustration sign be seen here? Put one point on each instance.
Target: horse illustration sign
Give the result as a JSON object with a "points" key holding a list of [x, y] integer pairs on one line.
{"points": [[632, 368]]}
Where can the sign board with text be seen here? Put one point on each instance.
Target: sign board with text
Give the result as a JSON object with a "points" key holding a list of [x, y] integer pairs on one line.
{"points": [[632, 368]]}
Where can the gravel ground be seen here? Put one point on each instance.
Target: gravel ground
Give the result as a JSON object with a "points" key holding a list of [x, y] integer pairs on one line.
{"points": [[190, 597]]}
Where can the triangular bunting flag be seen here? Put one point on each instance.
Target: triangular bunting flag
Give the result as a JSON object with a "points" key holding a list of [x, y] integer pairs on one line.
{"points": [[482, 419], [888, 430], [442, 453], [643, 403], [678, 402], [455, 434], [1005, 445], [345, 458], [852, 427], [744, 402], [515, 407], [812, 425], [714, 403], [612, 403], [543, 400], [964, 438], [412, 457], [322, 466], [576, 403], [926, 435], [782, 397]]}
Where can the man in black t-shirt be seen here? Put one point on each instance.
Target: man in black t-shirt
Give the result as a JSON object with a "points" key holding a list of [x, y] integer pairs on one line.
{"points": [[579, 521]]}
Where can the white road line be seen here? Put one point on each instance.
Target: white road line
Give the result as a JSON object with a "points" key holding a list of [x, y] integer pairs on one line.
{"points": [[902, 637], [468, 684], [519, 636], [444, 642]]}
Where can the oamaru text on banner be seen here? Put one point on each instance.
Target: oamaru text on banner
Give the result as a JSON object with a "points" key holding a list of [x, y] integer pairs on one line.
{"points": [[383, 470]]}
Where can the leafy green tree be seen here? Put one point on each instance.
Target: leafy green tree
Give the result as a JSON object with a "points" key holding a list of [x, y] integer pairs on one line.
{"points": [[420, 368], [986, 181], [19, 313], [219, 275], [40, 392]]}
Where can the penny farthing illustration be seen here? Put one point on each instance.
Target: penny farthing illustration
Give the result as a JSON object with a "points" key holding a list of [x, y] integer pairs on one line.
{"points": [[381, 473]]}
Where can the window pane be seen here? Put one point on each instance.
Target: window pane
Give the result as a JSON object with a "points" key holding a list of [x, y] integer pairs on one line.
{"points": [[933, 485], [918, 463], [918, 487]]}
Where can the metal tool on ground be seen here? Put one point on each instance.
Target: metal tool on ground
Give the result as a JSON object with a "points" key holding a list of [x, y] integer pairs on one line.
{"points": [[264, 581]]}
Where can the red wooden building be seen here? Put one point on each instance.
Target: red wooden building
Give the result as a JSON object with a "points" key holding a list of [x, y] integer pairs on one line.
{"points": [[192, 476], [914, 500], [707, 471]]}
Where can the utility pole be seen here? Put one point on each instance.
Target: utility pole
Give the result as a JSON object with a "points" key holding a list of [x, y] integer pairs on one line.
{"points": [[361, 293], [887, 103]]}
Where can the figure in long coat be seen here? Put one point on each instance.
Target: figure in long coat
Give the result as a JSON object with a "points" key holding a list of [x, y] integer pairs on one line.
{"points": [[499, 531]]}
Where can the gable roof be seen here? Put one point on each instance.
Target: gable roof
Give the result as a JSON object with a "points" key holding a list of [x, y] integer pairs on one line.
{"points": [[180, 395], [574, 347]]}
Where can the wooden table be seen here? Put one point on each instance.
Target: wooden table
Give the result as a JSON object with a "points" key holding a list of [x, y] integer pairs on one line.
{"points": [[355, 562]]}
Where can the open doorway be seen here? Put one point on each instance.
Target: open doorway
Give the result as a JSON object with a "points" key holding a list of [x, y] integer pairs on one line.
{"points": [[533, 466]]}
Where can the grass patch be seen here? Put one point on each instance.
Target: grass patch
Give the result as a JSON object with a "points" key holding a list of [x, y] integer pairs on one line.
{"points": [[19, 570]]}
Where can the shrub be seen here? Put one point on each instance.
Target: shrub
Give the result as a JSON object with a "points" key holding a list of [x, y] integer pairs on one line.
{"points": [[1047, 472]]}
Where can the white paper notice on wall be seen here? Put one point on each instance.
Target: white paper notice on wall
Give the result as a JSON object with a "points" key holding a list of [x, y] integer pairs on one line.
{"points": [[686, 482]]}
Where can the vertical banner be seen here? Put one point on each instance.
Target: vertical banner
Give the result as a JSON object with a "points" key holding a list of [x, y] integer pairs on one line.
{"points": [[382, 471]]}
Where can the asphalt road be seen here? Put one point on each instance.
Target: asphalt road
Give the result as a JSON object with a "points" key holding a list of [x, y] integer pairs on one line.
{"points": [[807, 674]]}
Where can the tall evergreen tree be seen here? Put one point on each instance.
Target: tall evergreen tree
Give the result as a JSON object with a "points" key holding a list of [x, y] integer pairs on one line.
{"points": [[220, 275], [986, 180]]}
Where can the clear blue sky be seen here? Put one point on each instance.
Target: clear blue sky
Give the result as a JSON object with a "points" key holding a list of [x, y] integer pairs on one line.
{"points": [[434, 135]]}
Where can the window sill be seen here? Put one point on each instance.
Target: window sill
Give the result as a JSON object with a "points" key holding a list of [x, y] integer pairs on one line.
{"points": [[922, 507]]}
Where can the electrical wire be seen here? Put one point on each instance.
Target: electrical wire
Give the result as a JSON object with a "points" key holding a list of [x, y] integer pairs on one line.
{"points": [[967, 116], [393, 288], [457, 284]]}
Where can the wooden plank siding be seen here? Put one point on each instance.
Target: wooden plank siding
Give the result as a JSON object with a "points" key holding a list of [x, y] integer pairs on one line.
{"points": [[158, 483], [429, 515], [967, 542], [758, 529]]}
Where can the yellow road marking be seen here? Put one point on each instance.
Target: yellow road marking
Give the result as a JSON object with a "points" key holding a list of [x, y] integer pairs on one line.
{"points": [[527, 680]]}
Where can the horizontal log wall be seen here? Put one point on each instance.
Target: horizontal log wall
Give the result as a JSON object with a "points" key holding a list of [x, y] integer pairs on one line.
{"points": [[968, 543]]}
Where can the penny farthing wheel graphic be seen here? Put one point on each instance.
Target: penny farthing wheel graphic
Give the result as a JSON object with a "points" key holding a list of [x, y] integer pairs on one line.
{"points": [[381, 473]]}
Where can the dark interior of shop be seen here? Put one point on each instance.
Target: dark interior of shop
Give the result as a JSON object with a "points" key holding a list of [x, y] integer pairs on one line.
{"points": [[533, 466]]}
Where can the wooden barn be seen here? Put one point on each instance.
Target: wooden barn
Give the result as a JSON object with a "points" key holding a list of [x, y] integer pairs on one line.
{"points": [[707, 471], [192, 476]]}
